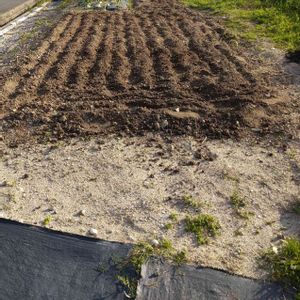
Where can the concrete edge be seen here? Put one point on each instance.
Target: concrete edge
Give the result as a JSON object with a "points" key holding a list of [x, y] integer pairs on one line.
{"points": [[16, 11]]}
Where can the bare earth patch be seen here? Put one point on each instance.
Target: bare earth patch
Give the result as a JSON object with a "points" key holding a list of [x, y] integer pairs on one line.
{"points": [[130, 187]]}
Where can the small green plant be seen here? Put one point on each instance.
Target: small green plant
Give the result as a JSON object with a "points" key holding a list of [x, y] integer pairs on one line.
{"points": [[237, 200], [169, 226], [130, 284], [284, 263], [139, 255], [203, 226], [239, 203], [173, 217], [292, 153], [144, 250], [189, 201], [47, 220]]}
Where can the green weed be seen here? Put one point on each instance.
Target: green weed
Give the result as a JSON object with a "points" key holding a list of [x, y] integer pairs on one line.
{"points": [[284, 264], [173, 217], [130, 284], [239, 203], [189, 201], [169, 226], [139, 255], [292, 154], [47, 220], [203, 226]]}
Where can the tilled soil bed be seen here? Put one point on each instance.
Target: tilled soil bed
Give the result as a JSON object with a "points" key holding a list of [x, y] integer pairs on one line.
{"points": [[158, 67]]}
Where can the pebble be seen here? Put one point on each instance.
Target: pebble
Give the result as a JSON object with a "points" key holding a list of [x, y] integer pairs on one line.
{"points": [[155, 243], [275, 249], [82, 212], [3, 183], [164, 123], [157, 126], [177, 109], [93, 232]]}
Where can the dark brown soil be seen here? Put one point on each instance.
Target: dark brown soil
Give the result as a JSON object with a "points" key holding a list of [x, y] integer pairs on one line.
{"points": [[159, 67]]}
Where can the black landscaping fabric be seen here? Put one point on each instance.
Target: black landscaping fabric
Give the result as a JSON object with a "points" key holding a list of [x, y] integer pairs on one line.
{"points": [[37, 263], [161, 280], [41, 264]]}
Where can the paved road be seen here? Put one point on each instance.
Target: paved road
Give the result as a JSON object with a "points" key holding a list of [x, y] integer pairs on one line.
{"points": [[9, 9], [7, 5]]}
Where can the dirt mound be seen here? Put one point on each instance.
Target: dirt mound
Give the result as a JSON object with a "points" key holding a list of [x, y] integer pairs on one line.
{"points": [[159, 67]]}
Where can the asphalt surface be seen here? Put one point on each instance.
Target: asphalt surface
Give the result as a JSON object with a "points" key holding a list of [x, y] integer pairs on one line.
{"points": [[7, 5], [10, 9]]}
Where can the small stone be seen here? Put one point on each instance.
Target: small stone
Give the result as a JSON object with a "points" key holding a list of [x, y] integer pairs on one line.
{"points": [[25, 176], [171, 148], [177, 109], [131, 238], [156, 126], [256, 129], [275, 249], [155, 243], [164, 123], [3, 183], [93, 232], [82, 212]]}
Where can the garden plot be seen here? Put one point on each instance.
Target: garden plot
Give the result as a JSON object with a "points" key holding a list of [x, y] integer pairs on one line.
{"points": [[158, 67]]}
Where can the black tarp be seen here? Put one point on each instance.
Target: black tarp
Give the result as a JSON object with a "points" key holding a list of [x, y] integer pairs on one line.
{"points": [[37, 263], [160, 280], [41, 264]]}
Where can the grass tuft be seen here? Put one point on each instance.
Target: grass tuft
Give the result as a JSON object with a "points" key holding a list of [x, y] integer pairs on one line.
{"points": [[239, 203], [203, 226], [139, 255], [284, 264], [189, 201]]}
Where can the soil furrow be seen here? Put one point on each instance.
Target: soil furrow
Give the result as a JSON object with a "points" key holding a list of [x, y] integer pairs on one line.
{"points": [[99, 70], [117, 78], [164, 78], [41, 74], [58, 72], [92, 52], [78, 71], [139, 54], [41, 55]]}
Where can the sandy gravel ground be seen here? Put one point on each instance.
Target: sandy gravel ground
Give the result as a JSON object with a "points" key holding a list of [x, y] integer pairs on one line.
{"points": [[128, 187]]}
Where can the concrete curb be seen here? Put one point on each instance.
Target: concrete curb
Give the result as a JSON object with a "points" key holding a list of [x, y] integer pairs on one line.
{"points": [[16, 11]]}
